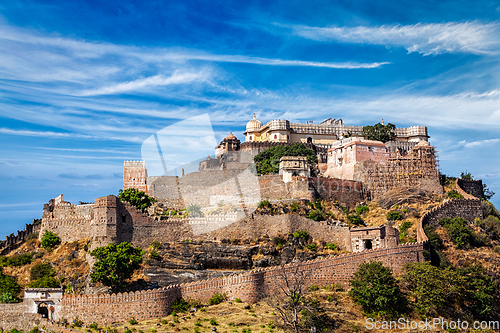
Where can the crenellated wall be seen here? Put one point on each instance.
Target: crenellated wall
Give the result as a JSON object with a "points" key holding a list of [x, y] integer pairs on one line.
{"points": [[250, 286], [470, 189]]}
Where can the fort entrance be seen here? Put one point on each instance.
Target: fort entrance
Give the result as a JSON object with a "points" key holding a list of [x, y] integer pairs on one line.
{"points": [[43, 309]]}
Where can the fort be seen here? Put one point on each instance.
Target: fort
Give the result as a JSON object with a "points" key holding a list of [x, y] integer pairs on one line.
{"points": [[350, 171]]}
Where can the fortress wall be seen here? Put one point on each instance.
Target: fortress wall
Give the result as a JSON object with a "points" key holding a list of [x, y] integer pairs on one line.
{"points": [[470, 188], [15, 316], [70, 222], [346, 192], [282, 225], [21, 235], [250, 286], [164, 187]]}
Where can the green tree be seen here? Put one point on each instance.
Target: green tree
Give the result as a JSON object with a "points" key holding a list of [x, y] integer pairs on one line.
{"points": [[430, 288], [480, 290], [194, 210], [9, 288], [115, 264], [458, 231], [268, 161], [45, 282], [41, 270], [136, 198], [49, 240], [379, 132], [376, 290]]}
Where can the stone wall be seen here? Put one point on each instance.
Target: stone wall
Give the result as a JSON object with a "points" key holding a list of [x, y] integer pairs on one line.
{"points": [[272, 226], [473, 188], [417, 169], [21, 235], [347, 192], [15, 316], [250, 286]]}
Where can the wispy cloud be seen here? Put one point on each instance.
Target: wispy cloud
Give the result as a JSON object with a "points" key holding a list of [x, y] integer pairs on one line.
{"points": [[428, 39], [479, 143], [153, 81], [44, 134]]}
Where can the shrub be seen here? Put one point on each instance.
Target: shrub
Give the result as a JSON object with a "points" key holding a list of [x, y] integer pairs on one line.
{"points": [[49, 240], [301, 234], [330, 246], [156, 244], [93, 326], [154, 255], [41, 270], [278, 240], [405, 226], [264, 204], [133, 321], [376, 290], [312, 247], [458, 231], [217, 299], [355, 219], [453, 194], [362, 209], [314, 287], [136, 198], [77, 322], [33, 330], [394, 215], [294, 207], [44, 282], [315, 215], [180, 305], [237, 300], [434, 238], [213, 322], [16, 260]]}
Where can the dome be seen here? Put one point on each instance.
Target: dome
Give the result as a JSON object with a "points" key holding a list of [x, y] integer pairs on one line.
{"points": [[230, 137], [253, 124]]}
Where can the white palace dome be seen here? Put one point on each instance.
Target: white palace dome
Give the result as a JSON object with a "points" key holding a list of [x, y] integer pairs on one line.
{"points": [[253, 125]]}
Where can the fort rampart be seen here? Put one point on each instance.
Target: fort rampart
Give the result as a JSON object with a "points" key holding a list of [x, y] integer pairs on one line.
{"points": [[470, 189]]}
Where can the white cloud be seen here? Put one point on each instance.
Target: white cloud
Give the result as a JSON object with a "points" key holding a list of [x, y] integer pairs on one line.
{"points": [[428, 39], [44, 134], [481, 143], [153, 81]]}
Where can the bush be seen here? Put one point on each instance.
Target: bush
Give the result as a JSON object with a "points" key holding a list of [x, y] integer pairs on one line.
{"points": [[458, 231], [315, 215], [213, 322], [394, 215], [156, 244], [278, 240], [434, 238], [133, 321], [217, 299], [77, 322], [362, 209], [312, 247], [41, 270], [405, 226], [314, 287], [16, 260], [267, 161], [45, 282], [264, 204], [301, 234], [180, 305], [136, 198], [376, 290], [49, 240], [154, 255], [93, 326], [355, 219], [237, 300], [294, 207], [34, 330], [453, 194], [330, 246]]}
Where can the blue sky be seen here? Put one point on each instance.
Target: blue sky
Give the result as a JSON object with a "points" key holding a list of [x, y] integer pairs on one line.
{"points": [[84, 83]]}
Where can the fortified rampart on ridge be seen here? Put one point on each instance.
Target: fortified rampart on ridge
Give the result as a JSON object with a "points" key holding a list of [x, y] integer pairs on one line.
{"points": [[470, 188], [20, 236]]}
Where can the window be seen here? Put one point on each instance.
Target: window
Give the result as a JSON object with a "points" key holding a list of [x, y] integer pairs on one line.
{"points": [[275, 136], [250, 138]]}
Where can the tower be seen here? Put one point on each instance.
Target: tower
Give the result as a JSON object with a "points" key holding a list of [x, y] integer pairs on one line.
{"points": [[134, 175]]}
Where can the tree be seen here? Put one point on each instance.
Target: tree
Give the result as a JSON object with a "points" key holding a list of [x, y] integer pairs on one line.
{"points": [[376, 290], [430, 288], [49, 240], [115, 264], [41, 270], [380, 132], [136, 198], [194, 211], [268, 161], [293, 302], [45, 282], [9, 288]]}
